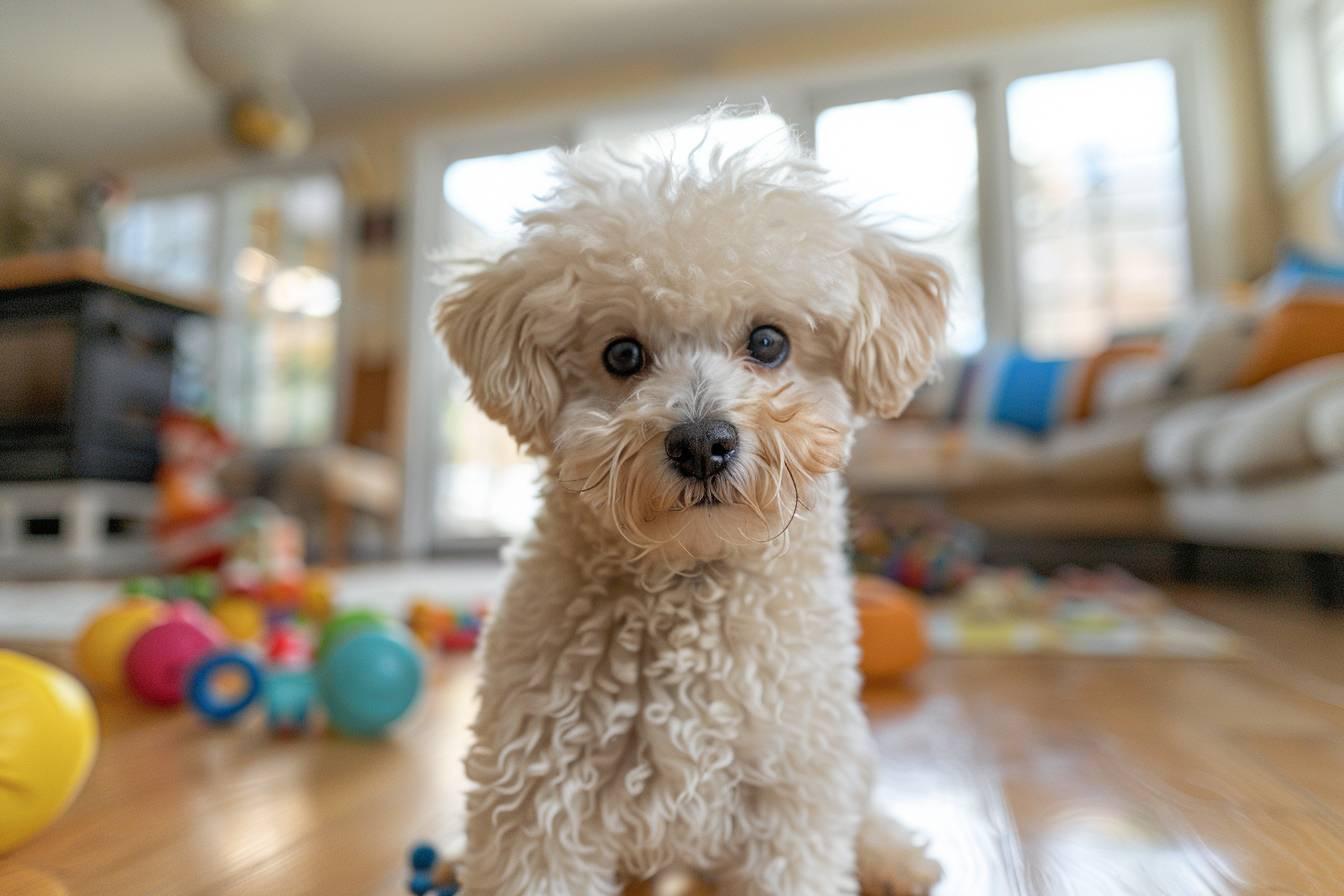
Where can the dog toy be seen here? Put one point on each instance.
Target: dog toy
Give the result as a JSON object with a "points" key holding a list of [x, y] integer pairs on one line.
{"points": [[158, 662], [100, 649], [444, 627], [928, 552], [368, 673], [366, 676], [243, 618], [892, 641], [430, 875], [48, 739]]}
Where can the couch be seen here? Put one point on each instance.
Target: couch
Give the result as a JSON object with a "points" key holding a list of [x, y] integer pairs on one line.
{"points": [[1230, 434], [1262, 468]]}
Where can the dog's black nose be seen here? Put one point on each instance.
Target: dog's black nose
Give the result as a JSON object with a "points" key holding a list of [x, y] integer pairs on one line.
{"points": [[701, 449]]}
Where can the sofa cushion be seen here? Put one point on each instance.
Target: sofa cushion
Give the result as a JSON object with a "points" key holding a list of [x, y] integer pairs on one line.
{"points": [[1206, 347], [1266, 433], [1176, 442], [1097, 369], [1130, 383], [1325, 428]]}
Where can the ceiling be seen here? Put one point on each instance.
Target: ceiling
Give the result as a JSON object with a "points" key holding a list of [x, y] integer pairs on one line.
{"points": [[81, 80]]}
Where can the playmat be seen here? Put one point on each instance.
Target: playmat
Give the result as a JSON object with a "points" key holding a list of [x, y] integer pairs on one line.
{"points": [[1074, 612]]}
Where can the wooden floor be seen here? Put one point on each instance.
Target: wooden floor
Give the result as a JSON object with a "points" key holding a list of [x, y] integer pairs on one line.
{"points": [[1030, 776]]}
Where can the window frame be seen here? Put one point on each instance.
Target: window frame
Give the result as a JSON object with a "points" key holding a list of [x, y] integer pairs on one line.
{"points": [[216, 183], [1187, 40]]}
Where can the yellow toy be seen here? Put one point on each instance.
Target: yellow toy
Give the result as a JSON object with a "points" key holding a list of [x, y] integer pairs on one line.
{"points": [[48, 738], [100, 652], [316, 601], [241, 617]]}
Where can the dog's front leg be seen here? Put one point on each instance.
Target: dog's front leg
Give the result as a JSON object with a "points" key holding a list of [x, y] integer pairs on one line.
{"points": [[508, 854], [806, 850]]}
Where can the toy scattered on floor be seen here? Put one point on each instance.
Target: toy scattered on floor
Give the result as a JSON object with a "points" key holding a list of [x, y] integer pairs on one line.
{"points": [[265, 560], [48, 740], [158, 661], [430, 874], [100, 650], [366, 676], [369, 673], [892, 641], [433, 875], [927, 551], [243, 618], [446, 628]]}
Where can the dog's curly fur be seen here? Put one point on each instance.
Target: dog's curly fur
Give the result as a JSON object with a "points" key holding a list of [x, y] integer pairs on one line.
{"points": [[671, 676]]}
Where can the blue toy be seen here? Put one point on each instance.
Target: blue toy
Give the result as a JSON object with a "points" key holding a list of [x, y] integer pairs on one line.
{"points": [[289, 695], [430, 876], [368, 680], [213, 701]]}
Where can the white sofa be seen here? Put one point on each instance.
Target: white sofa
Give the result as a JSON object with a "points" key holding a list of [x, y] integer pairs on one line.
{"points": [[1261, 468], [1254, 468]]}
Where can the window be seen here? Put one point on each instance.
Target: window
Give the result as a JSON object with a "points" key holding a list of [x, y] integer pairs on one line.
{"points": [[670, 133], [167, 242], [281, 295], [915, 160], [269, 248], [1329, 25], [1098, 204], [1304, 43], [483, 486]]}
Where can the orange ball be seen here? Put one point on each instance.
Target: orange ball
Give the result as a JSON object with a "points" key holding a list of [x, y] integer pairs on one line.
{"points": [[892, 641]]}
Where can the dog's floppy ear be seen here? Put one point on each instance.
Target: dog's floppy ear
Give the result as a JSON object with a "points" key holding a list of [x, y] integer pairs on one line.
{"points": [[896, 330], [491, 336]]}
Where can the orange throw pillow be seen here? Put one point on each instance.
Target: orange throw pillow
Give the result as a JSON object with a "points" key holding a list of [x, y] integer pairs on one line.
{"points": [[1300, 331], [1094, 369]]}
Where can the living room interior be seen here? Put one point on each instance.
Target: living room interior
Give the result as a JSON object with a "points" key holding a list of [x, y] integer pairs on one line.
{"points": [[1101, 554]]}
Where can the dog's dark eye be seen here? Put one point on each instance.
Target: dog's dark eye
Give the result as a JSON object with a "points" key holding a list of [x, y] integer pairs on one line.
{"points": [[768, 346], [623, 357]]}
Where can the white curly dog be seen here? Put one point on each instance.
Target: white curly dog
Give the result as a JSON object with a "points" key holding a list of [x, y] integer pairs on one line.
{"points": [[670, 679]]}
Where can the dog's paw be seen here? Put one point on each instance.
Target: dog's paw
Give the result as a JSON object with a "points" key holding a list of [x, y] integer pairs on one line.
{"points": [[917, 878], [892, 862]]}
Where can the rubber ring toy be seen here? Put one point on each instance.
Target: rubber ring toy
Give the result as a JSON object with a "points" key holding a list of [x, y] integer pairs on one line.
{"points": [[205, 697]]}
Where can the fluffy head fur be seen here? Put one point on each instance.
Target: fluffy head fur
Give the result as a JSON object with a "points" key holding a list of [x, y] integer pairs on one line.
{"points": [[688, 258], [671, 676]]}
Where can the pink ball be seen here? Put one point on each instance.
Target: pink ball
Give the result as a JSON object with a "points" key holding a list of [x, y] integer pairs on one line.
{"points": [[158, 662]]}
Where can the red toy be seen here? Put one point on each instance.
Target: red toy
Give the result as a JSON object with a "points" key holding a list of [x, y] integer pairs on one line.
{"points": [[446, 628], [158, 662]]}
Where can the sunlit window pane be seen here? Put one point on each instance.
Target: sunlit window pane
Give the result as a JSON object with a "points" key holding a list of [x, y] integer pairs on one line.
{"points": [[1331, 35], [1099, 202], [914, 160], [166, 242], [483, 484], [282, 295], [486, 195], [669, 134]]}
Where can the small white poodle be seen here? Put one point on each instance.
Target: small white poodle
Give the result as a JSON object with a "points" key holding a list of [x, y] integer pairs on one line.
{"points": [[671, 678]]}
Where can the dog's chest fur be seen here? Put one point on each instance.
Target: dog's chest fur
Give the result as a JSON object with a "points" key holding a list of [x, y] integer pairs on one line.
{"points": [[657, 712]]}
